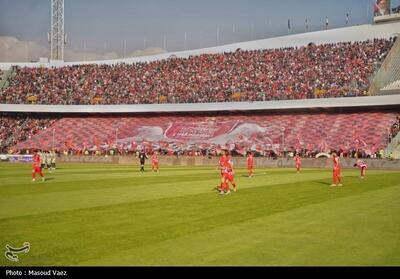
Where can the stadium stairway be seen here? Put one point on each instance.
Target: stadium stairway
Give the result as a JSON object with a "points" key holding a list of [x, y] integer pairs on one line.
{"points": [[393, 148], [386, 81], [391, 88], [4, 81]]}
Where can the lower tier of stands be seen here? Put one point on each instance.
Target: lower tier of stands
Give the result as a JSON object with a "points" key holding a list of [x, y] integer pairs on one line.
{"points": [[263, 133]]}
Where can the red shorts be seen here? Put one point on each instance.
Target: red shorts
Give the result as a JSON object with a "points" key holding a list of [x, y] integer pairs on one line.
{"points": [[228, 177], [36, 170], [336, 172]]}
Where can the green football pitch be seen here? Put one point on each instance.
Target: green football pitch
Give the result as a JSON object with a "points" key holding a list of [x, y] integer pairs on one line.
{"points": [[113, 215]]}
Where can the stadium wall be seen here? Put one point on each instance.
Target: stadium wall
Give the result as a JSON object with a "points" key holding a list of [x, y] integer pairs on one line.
{"points": [[259, 162], [347, 102]]}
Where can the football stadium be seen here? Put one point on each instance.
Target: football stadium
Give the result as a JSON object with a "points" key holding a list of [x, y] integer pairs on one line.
{"points": [[281, 150]]}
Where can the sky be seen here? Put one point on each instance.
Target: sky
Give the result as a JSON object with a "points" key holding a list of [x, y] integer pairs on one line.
{"points": [[118, 28]]}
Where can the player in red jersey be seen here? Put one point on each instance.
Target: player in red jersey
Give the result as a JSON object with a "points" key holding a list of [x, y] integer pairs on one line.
{"points": [[155, 162], [250, 164], [221, 165], [228, 176], [337, 179], [36, 167], [297, 161], [363, 167]]}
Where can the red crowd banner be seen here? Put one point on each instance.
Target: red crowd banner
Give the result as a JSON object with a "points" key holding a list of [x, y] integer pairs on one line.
{"points": [[274, 132]]}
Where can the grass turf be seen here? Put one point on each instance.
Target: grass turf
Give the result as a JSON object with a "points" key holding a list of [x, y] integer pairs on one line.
{"points": [[91, 214]]}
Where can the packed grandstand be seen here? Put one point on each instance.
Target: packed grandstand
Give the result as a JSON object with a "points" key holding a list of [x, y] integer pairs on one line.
{"points": [[313, 71]]}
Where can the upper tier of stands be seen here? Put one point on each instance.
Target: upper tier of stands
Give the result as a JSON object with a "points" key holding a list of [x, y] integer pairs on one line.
{"points": [[313, 71]]}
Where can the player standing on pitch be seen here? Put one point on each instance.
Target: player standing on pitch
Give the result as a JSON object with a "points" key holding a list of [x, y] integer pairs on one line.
{"points": [[250, 163], [297, 161], [363, 167], [155, 162], [142, 160], [228, 176], [221, 164], [42, 159], [36, 166], [53, 157], [337, 179], [47, 159]]}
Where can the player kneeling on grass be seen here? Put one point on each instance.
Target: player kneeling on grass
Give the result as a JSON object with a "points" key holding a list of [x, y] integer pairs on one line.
{"points": [[363, 167], [337, 178], [36, 167]]}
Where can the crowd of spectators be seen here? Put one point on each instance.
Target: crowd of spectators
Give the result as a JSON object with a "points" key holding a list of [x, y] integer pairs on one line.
{"points": [[351, 153], [312, 71], [14, 129], [270, 154]]}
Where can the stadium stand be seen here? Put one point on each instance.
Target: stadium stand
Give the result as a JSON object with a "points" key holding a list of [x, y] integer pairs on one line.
{"points": [[339, 63], [266, 133], [312, 71], [17, 128]]}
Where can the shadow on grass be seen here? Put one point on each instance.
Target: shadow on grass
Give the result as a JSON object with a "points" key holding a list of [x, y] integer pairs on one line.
{"points": [[53, 171], [49, 178], [256, 174], [323, 183]]}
